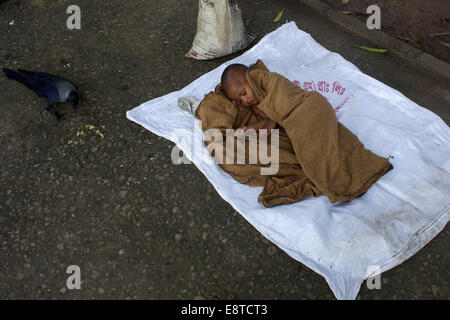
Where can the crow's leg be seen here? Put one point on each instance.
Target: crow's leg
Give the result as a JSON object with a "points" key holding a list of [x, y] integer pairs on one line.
{"points": [[57, 115]]}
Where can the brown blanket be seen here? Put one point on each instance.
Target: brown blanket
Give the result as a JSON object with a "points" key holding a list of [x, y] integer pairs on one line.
{"points": [[317, 154]]}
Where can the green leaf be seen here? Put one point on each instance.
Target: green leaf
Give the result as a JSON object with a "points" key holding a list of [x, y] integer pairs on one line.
{"points": [[279, 15], [347, 12], [371, 49], [344, 1]]}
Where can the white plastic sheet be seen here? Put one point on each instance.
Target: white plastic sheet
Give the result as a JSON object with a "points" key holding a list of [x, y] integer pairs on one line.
{"points": [[345, 242]]}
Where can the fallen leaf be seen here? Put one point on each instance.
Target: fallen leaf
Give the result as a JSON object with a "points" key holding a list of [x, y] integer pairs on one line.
{"points": [[279, 15], [347, 12], [371, 49], [440, 34], [445, 44], [415, 37]]}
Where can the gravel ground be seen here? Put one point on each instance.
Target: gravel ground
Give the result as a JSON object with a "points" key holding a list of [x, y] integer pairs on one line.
{"points": [[100, 192]]}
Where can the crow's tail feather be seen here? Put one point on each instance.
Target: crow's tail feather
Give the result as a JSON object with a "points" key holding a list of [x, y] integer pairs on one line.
{"points": [[31, 73], [16, 76], [22, 78]]}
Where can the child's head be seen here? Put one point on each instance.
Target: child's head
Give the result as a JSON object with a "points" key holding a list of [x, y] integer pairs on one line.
{"points": [[235, 85]]}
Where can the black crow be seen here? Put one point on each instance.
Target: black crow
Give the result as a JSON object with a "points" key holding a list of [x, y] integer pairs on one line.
{"points": [[51, 87]]}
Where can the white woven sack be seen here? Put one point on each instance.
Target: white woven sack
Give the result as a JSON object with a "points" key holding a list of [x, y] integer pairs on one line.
{"points": [[220, 30]]}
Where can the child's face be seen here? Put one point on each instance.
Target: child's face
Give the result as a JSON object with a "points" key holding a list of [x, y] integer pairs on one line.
{"points": [[242, 93]]}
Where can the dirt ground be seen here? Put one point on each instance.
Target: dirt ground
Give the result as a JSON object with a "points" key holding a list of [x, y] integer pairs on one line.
{"points": [[428, 21], [101, 192]]}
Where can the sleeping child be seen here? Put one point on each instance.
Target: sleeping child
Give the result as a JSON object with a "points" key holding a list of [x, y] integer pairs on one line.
{"points": [[331, 156], [236, 88]]}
